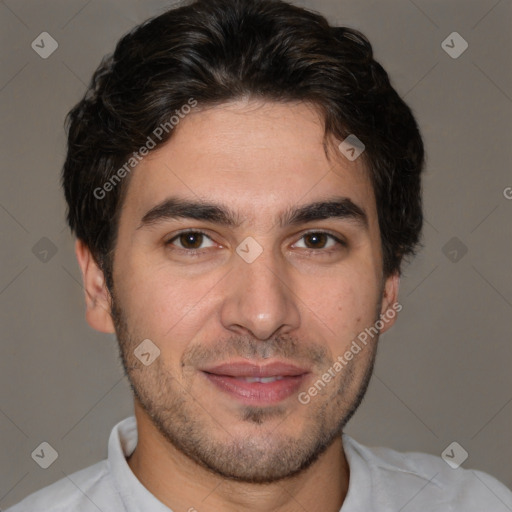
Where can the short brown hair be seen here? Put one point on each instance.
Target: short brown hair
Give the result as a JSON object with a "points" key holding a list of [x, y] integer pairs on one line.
{"points": [[220, 50]]}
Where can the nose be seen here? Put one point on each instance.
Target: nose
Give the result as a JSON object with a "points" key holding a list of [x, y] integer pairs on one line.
{"points": [[260, 299]]}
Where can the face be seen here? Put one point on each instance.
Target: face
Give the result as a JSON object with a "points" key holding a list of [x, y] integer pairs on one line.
{"points": [[250, 256]]}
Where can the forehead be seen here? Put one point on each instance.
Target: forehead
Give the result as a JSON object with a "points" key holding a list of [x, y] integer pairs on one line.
{"points": [[259, 158]]}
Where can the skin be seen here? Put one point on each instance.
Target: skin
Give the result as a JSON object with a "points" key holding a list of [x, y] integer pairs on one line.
{"points": [[302, 300]]}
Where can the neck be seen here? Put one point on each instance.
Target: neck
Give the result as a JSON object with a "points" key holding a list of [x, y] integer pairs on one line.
{"points": [[181, 484]]}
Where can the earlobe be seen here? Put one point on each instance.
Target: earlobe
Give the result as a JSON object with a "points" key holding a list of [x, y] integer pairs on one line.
{"points": [[390, 306], [97, 295]]}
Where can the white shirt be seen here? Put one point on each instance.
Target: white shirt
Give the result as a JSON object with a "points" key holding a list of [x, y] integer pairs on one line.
{"points": [[381, 480]]}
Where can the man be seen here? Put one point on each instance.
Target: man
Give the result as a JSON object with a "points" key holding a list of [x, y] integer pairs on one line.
{"points": [[244, 184]]}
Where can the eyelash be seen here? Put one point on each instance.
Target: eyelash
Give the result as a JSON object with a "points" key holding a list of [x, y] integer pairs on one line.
{"points": [[198, 252]]}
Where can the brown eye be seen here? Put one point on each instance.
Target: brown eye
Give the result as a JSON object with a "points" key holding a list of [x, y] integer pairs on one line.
{"points": [[190, 240], [318, 240]]}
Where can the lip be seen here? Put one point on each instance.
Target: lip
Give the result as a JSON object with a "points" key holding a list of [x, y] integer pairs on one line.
{"points": [[230, 378], [250, 369]]}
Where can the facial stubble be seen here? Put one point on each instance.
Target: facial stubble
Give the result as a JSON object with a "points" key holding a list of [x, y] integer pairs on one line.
{"points": [[262, 456]]}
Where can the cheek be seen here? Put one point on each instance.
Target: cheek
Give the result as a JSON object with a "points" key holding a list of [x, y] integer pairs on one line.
{"points": [[344, 304], [164, 306]]}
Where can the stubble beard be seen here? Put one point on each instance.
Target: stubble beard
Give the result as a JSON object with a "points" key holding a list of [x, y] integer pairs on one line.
{"points": [[181, 418]]}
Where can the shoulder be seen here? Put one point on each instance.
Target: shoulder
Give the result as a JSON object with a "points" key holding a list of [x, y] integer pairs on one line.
{"points": [[420, 481], [86, 490]]}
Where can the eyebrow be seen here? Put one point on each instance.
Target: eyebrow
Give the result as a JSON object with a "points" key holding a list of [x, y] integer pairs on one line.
{"points": [[173, 208]]}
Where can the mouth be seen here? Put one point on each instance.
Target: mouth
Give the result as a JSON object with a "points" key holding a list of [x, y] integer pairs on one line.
{"points": [[257, 385]]}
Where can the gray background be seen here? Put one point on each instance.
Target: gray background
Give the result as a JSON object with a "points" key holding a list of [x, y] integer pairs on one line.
{"points": [[443, 372]]}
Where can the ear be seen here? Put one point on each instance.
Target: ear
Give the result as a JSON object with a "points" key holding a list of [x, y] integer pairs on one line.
{"points": [[390, 305], [97, 296]]}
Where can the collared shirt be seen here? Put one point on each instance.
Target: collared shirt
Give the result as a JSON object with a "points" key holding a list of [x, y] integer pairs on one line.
{"points": [[381, 480]]}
